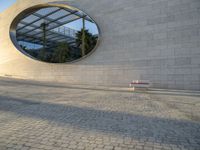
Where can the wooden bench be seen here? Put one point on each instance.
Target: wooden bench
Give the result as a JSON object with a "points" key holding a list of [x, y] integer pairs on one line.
{"points": [[139, 84]]}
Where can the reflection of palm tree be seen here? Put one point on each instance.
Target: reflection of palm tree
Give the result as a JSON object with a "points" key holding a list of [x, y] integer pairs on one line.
{"points": [[61, 53], [23, 47], [42, 52], [44, 26], [89, 41]]}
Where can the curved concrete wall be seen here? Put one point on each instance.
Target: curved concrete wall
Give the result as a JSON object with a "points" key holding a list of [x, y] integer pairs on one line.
{"points": [[156, 40]]}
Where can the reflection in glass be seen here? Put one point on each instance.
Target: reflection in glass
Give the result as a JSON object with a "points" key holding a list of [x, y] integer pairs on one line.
{"points": [[57, 35]]}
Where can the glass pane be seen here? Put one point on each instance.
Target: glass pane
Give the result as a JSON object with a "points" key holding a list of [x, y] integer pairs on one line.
{"points": [[57, 35]]}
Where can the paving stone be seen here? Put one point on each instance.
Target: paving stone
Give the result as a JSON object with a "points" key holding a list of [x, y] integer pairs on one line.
{"points": [[39, 117]]}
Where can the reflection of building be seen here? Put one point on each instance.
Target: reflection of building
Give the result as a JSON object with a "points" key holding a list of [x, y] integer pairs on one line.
{"points": [[47, 33], [140, 40], [58, 33]]}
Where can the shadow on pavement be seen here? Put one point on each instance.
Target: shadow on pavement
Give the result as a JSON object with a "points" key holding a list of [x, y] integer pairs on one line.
{"points": [[139, 127]]}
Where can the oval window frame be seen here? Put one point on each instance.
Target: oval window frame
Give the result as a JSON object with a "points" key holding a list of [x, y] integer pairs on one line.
{"points": [[27, 11]]}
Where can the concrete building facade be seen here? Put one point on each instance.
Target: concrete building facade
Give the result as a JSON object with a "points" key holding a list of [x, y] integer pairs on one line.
{"points": [[155, 40]]}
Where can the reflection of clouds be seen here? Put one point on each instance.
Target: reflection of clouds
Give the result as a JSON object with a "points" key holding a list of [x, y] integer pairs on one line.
{"points": [[77, 25]]}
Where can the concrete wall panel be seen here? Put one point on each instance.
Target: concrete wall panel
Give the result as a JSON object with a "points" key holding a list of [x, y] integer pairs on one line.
{"points": [[156, 40]]}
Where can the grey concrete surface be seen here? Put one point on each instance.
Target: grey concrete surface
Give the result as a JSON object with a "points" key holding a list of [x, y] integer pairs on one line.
{"points": [[41, 116], [155, 40]]}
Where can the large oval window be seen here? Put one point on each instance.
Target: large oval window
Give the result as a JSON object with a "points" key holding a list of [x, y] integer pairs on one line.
{"points": [[54, 33]]}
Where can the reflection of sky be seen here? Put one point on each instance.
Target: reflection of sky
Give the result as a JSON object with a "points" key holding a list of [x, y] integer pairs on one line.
{"points": [[77, 25], [5, 4], [30, 45]]}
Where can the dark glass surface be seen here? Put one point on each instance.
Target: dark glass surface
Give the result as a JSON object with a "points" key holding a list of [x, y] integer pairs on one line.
{"points": [[57, 34]]}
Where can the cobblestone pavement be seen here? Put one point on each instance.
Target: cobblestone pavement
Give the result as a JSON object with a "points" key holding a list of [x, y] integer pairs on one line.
{"points": [[43, 117]]}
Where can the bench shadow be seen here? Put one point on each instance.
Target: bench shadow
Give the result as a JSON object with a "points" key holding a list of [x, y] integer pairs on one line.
{"points": [[159, 130], [19, 82]]}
